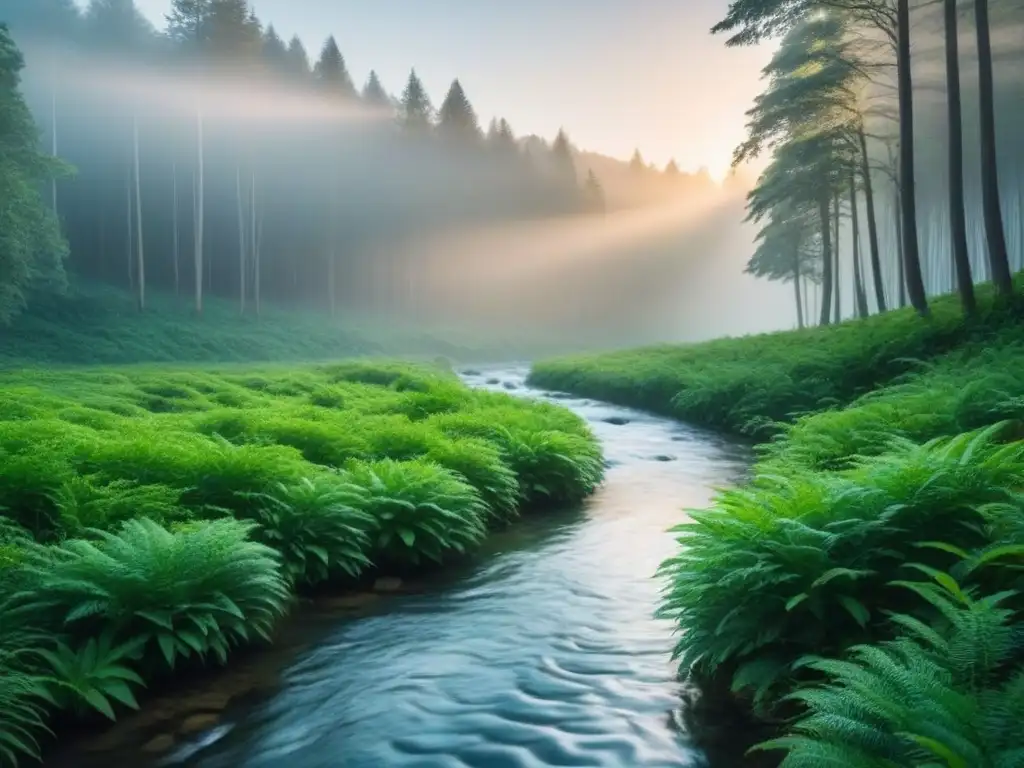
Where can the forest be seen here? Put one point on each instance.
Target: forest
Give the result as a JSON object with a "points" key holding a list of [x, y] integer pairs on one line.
{"points": [[865, 199], [212, 160]]}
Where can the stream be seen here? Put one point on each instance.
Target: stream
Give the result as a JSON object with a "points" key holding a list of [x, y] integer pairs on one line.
{"points": [[544, 652]]}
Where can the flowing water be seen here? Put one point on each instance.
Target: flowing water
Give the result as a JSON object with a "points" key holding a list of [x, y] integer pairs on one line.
{"points": [[543, 653]]}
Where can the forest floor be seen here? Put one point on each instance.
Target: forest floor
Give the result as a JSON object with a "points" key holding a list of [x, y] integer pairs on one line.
{"points": [[155, 518], [99, 325], [872, 565]]}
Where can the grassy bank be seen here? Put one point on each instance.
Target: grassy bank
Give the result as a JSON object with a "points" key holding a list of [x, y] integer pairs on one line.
{"points": [[864, 589], [751, 385], [155, 518]]}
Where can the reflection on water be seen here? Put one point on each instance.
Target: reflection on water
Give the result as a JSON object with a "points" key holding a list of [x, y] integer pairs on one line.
{"points": [[543, 654]]}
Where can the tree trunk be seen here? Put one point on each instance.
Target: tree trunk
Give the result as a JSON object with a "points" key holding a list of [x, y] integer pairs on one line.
{"points": [[957, 215], [199, 217], [175, 237], [796, 290], [858, 280], [140, 254], [998, 258], [911, 254], [838, 299], [241, 240], [131, 230], [826, 260], [869, 201], [253, 235], [53, 149]]}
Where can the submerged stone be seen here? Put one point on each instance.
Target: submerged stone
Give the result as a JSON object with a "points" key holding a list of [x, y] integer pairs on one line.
{"points": [[618, 421], [663, 457], [493, 381], [196, 723], [510, 385], [470, 372]]}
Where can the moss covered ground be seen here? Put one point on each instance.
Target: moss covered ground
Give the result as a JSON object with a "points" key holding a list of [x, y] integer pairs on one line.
{"points": [[865, 589], [155, 517]]}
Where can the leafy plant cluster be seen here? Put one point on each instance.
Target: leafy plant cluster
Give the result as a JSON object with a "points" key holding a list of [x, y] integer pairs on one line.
{"points": [[157, 517]]}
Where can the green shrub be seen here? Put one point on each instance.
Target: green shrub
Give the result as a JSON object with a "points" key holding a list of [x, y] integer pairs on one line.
{"points": [[420, 510], [554, 467], [23, 700], [950, 695], [197, 591], [484, 467], [315, 527], [802, 563]]}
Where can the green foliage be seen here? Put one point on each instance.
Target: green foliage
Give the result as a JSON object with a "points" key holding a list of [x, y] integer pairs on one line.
{"points": [[197, 591], [803, 564], [754, 385], [420, 511], [314, 526], [950, 695], [150, 516]]}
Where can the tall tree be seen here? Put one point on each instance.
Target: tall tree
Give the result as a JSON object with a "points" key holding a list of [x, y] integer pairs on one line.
{"points": [[957, 214], [456, 118], [564, 164], [374, 93], [275, 52], [186, 22], [912, 274], [998, 256], [415, 112], [594, 193], [672, 169], [117, 25], [297, 60], [331, 73], [32, 249], [636, 163]]}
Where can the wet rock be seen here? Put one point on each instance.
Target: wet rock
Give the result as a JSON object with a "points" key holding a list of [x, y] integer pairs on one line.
{"points": [[158, 744], [470, 372], [387, 584], [494, 381], [618, 421], [677, 438], [198, 723], [663, 457], [510, 385]]}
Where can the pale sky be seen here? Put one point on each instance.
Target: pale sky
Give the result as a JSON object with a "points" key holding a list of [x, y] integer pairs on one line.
{"points": [[617, 74]]}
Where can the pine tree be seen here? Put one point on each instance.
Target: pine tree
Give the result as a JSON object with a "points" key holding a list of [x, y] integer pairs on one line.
{"points": [[297, 60], [331, 74], [41, 18], [186, 22], [231, 31], [374, 93], [32, 249], [456, 119], [415, 112], [672, 170], [637, 164], [275, 54], [117, 24], [561, 155]]}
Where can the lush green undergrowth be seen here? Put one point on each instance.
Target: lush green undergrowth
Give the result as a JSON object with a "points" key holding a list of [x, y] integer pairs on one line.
{"points": [[157, 517], [865, 590], [751, 385]]}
